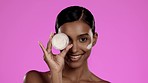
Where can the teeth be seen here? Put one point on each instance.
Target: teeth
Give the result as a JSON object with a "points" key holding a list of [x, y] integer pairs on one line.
{"points": [[75, 57]]}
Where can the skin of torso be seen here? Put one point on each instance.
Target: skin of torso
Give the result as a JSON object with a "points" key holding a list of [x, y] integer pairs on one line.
{"points": [[44, 77]]}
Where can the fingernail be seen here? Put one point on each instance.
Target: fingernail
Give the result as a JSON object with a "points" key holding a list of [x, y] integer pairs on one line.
{"points": [[51, 34], [71, 45], [39, 42]]}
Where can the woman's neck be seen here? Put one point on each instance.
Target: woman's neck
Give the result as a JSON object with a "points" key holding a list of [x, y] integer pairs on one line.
{"points": [[76, 74]]}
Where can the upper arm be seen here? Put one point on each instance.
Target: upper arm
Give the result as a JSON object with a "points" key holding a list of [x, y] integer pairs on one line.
{"points": [[33, 77]]}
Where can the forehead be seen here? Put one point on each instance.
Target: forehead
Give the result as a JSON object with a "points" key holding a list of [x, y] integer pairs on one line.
{"points": [[75, 28]]}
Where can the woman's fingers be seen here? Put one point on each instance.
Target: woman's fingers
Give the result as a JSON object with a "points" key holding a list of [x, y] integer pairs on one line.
{"points": [[63, 53], [49, 44], [43, 48]]}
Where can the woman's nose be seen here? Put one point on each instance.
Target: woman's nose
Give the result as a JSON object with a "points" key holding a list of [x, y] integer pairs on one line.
{"points": [[74, 48]]}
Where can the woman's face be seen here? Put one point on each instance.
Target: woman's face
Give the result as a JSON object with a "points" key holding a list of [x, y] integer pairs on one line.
{"points": [[80, 36]]}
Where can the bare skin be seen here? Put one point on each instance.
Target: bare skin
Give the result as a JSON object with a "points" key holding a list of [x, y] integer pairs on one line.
{"points": [[63, 68]]}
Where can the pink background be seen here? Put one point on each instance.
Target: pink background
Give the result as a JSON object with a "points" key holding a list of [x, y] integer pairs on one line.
{"points": [[120, 55]]}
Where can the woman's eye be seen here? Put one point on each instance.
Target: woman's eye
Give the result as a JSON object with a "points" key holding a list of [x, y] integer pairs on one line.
{"points": [[83, 39]]}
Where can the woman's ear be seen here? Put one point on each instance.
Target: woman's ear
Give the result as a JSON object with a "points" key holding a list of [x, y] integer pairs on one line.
{"points": [[95, 37]]}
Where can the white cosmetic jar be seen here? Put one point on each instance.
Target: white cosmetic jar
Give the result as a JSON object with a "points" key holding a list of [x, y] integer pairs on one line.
{"points": [[60, 41]]}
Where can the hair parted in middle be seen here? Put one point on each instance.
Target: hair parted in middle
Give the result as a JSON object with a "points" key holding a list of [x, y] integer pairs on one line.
{"points": [[75, 13]]}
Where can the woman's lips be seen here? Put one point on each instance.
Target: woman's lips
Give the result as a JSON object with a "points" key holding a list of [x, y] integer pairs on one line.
{"points": [[74, 58]]}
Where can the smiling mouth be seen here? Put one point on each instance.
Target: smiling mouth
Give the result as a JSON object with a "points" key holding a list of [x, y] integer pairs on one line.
{"points": [[75, 58], [71, 57]]}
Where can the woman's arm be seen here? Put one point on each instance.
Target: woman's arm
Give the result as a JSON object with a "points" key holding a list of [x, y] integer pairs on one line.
{"points": [[56, 77], [55, 63]]}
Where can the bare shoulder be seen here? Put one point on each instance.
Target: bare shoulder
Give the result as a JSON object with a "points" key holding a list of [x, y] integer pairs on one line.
{"points": [[34, 76], [96, 79], [103, 81]]}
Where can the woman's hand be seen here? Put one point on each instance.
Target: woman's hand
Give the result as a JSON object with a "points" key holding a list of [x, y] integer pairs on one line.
{"points": [[54, 61]]}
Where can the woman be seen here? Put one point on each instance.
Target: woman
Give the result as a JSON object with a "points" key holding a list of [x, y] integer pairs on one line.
{"points": [[70, 66]]}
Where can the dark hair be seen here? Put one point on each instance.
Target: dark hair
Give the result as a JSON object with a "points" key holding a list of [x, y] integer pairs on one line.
{"points": [[75, 13]]}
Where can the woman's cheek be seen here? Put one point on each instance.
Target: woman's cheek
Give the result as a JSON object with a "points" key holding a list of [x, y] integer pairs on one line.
{"points": [[89, 46]]}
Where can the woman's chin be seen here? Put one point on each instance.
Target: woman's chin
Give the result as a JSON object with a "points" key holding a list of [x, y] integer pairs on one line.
{"points": [[74, 64], [74, 61]]}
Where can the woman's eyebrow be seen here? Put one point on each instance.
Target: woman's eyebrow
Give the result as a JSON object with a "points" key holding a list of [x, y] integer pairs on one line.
{"points": [[85, 34]]}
